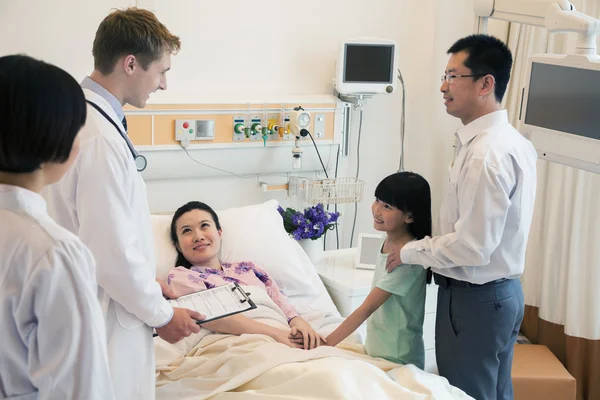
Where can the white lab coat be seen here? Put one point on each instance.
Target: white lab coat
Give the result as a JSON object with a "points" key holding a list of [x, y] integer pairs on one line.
{"points": [[103, 200], [51, 326]]}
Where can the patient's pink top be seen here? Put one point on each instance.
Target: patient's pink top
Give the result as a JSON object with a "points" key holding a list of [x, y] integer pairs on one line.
{"points": [[185, 281]]}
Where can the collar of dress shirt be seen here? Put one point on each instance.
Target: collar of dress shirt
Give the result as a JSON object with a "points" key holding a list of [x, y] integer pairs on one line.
{"points": [[89, 83], [15, 197], [469, 131]]}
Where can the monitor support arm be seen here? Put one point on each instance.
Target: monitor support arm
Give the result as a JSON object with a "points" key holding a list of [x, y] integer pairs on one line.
{"points": [[554, 15]]}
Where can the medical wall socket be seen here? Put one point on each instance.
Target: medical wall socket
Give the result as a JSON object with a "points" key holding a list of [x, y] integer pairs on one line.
{"points": [[256, 125], [274, 126], [240, 128], [287, 135], [319, 126], [194, 129]]}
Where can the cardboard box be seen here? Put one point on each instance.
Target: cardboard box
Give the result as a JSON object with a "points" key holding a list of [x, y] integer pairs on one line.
{"points": [[537, 374]]}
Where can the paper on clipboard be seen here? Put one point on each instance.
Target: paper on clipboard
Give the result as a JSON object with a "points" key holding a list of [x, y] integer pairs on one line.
{"points": [[217, 302]]}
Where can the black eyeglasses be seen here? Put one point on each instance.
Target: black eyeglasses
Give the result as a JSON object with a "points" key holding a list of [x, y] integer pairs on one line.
{"points": [[450, 78]]}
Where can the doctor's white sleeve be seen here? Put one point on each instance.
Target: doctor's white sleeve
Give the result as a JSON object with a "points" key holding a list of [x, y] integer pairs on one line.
{"points": [[483, 204], [67, 343], [108, 227]]}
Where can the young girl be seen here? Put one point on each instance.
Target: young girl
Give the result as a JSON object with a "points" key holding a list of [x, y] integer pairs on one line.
{"points": [[196, 234], [395, 306], [51, 325]]}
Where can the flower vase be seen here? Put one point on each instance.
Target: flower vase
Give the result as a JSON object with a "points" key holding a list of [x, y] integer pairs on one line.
{"points": [[313, 249]]}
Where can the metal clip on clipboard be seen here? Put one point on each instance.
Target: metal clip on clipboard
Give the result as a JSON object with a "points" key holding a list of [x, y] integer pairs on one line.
{"points": [[244, 296]]}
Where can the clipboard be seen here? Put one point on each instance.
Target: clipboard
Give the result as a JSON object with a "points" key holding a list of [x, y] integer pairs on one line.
{"points": [[216, 303]]}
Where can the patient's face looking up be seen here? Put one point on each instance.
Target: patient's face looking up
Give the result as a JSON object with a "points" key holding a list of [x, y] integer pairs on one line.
{"points": [[198, 238]]}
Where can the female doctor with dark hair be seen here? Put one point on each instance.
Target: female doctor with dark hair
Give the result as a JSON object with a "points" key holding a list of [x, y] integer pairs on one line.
{"points": [[51, 325]]}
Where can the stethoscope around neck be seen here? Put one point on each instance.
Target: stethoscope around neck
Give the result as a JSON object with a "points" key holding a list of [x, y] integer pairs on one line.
{"points": [[140, 161]]}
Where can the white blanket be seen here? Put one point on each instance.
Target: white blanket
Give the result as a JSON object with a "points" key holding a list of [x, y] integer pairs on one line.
{"points": [[211, 365]]}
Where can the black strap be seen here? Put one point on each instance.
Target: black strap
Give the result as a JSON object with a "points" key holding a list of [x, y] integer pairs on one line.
{"points": [[109, 119], [105, 115]]}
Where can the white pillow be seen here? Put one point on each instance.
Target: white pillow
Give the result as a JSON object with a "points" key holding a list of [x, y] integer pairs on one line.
{"points": [[251, 233], [320, 302], [164, 250]]}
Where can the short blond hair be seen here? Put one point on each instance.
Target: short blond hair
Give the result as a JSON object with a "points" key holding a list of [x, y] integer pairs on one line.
{"points": [[131, 31]]}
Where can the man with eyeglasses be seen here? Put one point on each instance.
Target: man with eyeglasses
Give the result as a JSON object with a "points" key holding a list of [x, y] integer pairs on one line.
{"points": [[484, 220]]}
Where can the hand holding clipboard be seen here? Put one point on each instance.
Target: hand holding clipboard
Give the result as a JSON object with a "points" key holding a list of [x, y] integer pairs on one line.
{"points": [[216, 303], [183, 323]]}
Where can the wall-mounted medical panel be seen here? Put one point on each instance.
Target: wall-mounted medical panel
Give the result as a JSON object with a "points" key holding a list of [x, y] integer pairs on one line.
{"points": [[226, 124]]}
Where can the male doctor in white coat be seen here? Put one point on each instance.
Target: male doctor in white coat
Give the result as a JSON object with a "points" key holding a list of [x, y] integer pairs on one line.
{"points": [[103, 199]]}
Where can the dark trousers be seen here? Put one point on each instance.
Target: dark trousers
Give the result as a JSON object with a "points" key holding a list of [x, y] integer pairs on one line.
{"points": [[475, 332]]}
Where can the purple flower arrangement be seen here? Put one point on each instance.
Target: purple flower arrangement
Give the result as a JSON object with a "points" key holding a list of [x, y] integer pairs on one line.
{"points": [[310, 224]]}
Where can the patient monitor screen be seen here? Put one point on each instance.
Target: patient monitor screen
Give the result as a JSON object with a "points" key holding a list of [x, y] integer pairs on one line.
{"points": [[565, 99], [369, 63]]}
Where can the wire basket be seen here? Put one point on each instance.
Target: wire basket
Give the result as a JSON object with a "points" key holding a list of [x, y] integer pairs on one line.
{"points": [[327, 191]]}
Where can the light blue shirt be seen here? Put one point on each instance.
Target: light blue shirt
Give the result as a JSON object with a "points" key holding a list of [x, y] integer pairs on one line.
{"points": [[395, 330], [88, 83]]}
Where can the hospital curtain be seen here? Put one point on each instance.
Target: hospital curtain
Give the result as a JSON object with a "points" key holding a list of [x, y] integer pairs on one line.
{"points": [[562, 272]]}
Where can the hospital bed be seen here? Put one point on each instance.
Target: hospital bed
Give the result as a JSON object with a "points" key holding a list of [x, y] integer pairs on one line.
{"points": [[211, 365]]}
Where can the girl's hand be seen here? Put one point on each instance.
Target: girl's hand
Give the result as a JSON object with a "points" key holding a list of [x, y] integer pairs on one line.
{"points": [[304, 335], [283, 337]]}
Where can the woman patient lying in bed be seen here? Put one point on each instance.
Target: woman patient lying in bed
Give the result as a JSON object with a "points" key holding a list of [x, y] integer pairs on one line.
{"points": [[196, 234]]}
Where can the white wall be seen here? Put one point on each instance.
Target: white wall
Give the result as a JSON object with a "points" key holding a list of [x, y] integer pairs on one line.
{"points": [[242, 50], [57, 31]]}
